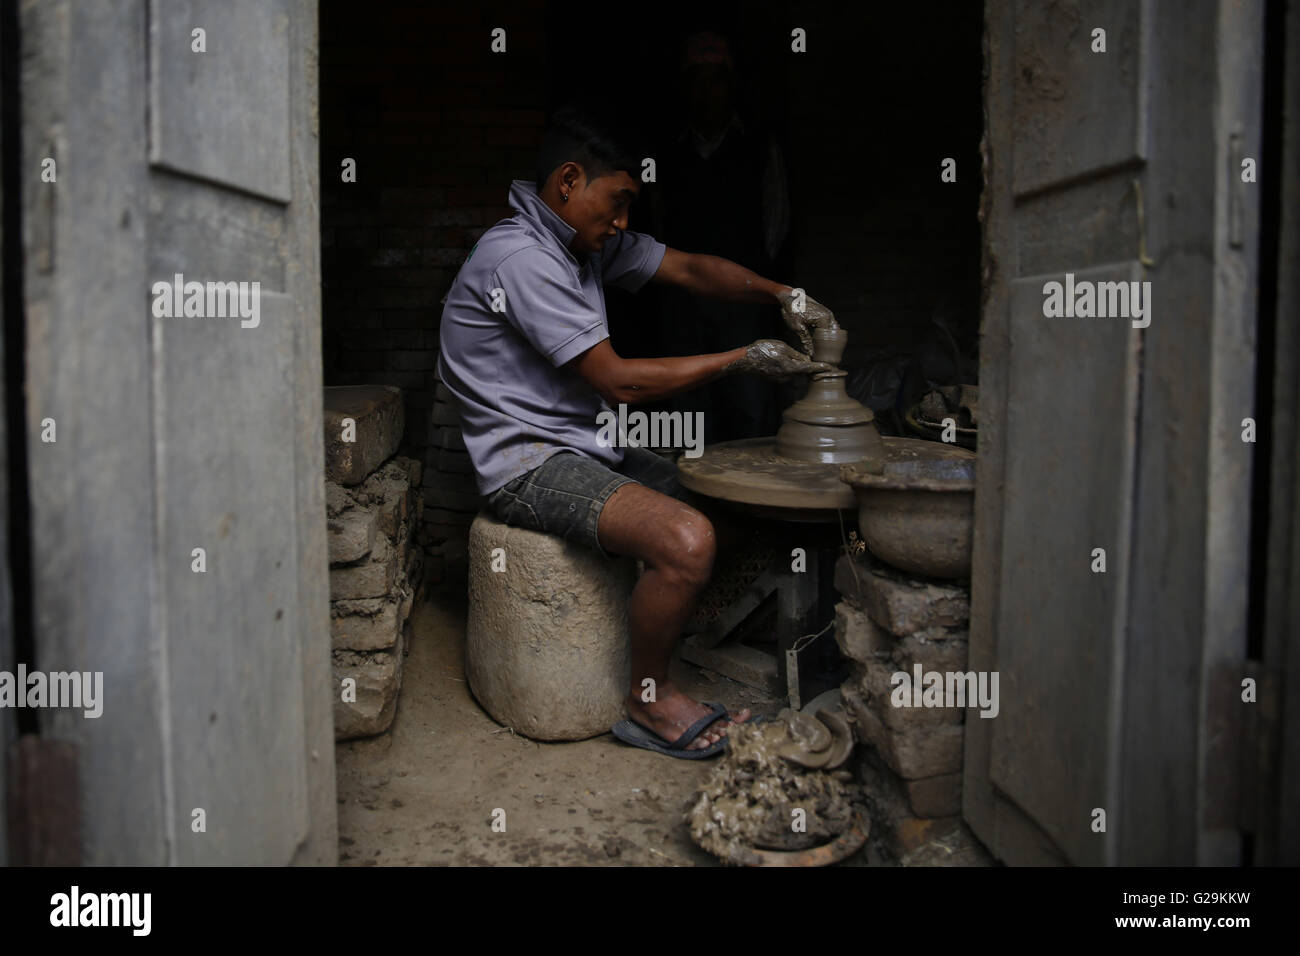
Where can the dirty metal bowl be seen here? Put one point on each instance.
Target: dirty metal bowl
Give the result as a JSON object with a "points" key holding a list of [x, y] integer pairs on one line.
{"points": [[916, 506]]}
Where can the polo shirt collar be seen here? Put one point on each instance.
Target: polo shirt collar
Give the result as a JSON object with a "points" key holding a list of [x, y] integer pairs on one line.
{"points": [[523, 196]]}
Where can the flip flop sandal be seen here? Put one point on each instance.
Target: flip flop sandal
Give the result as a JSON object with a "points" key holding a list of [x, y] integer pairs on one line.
{"points": [[630, 732]]}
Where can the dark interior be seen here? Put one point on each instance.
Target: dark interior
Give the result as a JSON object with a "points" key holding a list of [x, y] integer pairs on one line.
{"points": [[439, 126]]}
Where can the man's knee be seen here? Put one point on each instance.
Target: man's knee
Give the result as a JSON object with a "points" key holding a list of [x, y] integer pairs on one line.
{"points": [[689, 545], [668, 535]]}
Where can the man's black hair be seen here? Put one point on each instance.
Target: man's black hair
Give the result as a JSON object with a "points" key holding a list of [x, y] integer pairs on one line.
{"points": [[575, 135]]}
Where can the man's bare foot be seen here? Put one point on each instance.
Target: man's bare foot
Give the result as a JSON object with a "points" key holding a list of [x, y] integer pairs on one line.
{"points": [[672, 713]]}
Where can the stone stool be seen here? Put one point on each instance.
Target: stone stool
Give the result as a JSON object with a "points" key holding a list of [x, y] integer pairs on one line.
{"points": [[546, 641]]}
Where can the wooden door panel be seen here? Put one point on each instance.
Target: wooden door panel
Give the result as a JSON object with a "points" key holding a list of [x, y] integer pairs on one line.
{"points": [[232, 632], [184, 431], [1121, 165], [1070, 429], [222, 114], [1077, 112]]}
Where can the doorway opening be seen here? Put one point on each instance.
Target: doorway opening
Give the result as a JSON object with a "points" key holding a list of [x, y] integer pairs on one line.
{"points": [[864, 151]]}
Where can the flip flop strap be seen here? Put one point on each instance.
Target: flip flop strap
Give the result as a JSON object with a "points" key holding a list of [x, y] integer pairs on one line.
{"points": [[716, 713]]}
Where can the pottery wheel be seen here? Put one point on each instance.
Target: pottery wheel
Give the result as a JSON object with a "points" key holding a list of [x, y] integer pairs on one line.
{"points": [[749, 473], [915, 464]]}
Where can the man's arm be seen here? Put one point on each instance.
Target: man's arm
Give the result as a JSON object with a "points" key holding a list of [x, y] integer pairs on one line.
{"points": [[644, 380], [716, 278]]}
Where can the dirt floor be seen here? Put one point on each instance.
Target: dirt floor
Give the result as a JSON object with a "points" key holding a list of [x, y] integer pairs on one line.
{"points": [[425, 791]]}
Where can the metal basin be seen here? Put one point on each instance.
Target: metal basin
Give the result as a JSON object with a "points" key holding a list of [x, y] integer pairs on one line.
{"points": [[916, 506]]}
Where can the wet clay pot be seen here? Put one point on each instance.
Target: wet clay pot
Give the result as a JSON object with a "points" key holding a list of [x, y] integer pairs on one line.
{"points": [[916, 506], [829, 345], [826, 425]]}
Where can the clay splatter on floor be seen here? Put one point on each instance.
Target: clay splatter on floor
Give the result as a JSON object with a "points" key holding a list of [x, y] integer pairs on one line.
{"points": [[749, 799], [425, 792]]}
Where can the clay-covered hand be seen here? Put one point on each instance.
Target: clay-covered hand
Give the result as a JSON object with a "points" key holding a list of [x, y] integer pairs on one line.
{"points": [[814, 316], [775, 359]]}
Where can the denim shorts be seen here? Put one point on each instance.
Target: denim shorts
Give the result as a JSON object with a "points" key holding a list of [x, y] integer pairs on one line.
{"points": [[565, 494]]}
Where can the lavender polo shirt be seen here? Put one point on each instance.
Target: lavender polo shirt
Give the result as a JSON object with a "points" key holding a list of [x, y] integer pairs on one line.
{"points": [[517, 406]]}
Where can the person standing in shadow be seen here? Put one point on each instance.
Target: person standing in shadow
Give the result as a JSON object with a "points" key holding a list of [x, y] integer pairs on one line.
{"points": [[721, 191]]}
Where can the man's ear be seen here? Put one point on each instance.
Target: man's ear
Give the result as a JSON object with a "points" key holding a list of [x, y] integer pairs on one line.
{"points": [[572, 176]]}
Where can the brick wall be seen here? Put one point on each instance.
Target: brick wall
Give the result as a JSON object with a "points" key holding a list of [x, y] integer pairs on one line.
{"points": [[438, 126]]}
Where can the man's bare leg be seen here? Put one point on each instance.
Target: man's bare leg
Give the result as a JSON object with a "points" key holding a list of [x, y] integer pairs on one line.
{"points": [[677, 544]]}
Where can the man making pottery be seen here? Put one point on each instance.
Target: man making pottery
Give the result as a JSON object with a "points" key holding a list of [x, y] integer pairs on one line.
{"points": [[525, 350]]}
